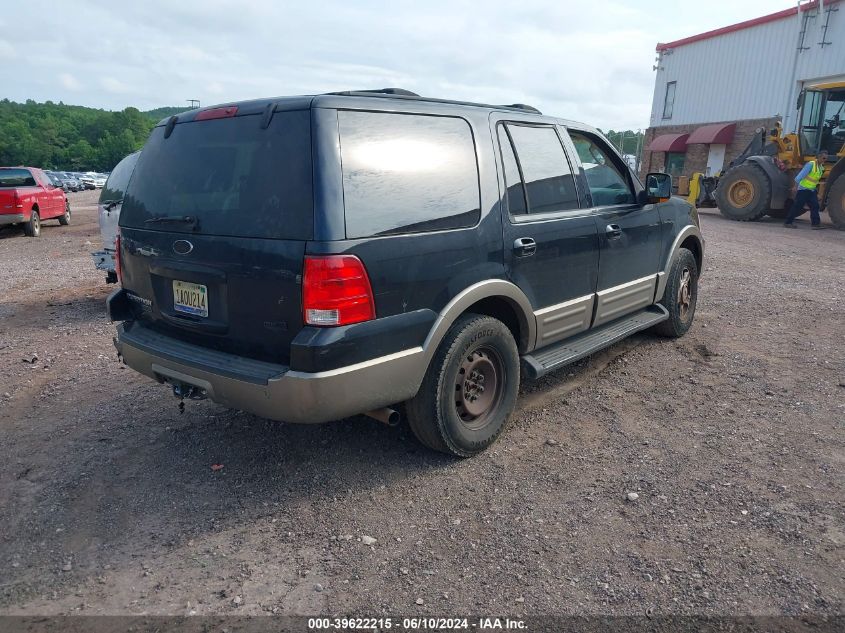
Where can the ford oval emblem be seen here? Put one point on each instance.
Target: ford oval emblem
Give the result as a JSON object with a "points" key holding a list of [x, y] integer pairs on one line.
{"points": [[182, 247]]}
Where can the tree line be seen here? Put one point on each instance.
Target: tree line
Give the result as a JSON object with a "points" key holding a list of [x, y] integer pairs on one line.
{"points": [[73, 138]]}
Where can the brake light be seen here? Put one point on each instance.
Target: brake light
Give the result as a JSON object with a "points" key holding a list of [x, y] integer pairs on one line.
{"points": [[117, 269], [336, 291], [216, 113]]}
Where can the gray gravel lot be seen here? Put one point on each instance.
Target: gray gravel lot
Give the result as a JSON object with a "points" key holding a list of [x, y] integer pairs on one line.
{"points": [[731, 438]]}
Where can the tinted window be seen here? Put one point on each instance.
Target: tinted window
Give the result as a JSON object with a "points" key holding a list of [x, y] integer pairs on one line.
{"points": [[231, 175], [548, 179], [115, 186], [514, 190], [407, 173], [16, 178], [605, 174]]}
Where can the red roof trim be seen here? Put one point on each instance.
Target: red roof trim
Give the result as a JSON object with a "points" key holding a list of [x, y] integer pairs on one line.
{"points": [[719, 133], [742, 25], [669, 143]]}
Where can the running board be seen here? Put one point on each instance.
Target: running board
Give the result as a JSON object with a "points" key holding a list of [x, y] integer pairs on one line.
{"points": [[542, 361]]}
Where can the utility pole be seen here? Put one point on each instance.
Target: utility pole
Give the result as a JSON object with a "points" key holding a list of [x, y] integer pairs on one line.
{"points": [[195, 103]]}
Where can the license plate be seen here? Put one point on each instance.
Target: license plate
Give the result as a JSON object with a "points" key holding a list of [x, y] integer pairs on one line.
{"points": [[190, 298]]}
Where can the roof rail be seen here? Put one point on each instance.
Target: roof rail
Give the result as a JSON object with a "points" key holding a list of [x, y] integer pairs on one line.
{"points": [[522, 106], [383, 91]]}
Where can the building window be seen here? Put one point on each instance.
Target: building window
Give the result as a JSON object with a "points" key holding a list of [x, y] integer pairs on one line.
{"points": [[675, 163], [669, 101]]}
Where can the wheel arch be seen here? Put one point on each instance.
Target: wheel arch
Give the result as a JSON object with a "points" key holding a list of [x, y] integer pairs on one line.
{"points": [[497, 298], [779, 181], [690, 238]]}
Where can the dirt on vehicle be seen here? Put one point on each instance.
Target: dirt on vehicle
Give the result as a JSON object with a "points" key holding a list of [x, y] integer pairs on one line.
{"points": [[697, 476]]}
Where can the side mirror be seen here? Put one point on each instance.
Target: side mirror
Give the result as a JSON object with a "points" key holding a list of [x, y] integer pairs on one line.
{"points": [[658, 188]]}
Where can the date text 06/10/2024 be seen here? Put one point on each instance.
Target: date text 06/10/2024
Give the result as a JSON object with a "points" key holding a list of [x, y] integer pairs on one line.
{"points": [[415, 624]]}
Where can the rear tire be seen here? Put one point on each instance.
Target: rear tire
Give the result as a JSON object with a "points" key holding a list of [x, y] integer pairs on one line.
{"points": [[836, 202], [469, 390], [33, 227], [680, 297], [64, 220], [744, 193]]}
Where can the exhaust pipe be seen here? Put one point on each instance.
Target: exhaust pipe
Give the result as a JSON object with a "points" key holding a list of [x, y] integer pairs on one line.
{"points": [[386, 415]]}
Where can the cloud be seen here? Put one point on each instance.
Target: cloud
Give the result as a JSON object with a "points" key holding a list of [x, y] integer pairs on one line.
{"points": [[588, 61], [110, 84], [70, 82], [7, 51]]}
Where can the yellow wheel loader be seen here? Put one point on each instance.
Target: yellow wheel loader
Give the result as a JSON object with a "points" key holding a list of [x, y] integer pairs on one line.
{"points": [[760, 180]]}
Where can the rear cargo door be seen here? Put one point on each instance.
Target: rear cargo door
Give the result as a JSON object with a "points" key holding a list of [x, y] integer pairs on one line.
{"points": [[213, 229]]}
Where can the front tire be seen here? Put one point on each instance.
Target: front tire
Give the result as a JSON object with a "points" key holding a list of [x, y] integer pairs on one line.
{"points": [[469, 390], [744, 193], [680, 297], [64, 220], [33, 227]]}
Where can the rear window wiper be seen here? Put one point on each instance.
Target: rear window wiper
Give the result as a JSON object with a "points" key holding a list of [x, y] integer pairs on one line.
{"points": [[182, 219], [108, 205]]}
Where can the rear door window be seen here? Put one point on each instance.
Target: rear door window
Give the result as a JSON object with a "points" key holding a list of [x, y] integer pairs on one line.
{"points": [[514, 187], [549, 184], [229, 175], [407, 173]]}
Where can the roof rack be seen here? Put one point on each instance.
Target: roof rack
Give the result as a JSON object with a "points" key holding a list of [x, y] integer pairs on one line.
{"points": [[383, 91], [401, 92], [521, 106]]}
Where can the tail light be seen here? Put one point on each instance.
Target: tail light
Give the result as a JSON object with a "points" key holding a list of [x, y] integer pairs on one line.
{"points": [[336, 291], [117, 269]]}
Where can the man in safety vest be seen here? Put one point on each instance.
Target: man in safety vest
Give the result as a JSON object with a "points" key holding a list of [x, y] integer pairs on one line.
{"points": [[807, 181]]}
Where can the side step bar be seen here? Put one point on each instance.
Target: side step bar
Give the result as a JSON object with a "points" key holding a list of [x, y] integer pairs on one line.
{"points": [[541, 362]]}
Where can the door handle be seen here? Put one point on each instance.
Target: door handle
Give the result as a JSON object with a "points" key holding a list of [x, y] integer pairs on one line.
{"points": [[613, 231], [524, 246]]}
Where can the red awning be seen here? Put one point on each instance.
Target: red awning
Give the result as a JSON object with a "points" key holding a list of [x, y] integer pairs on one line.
{"points": [[719, 133], [669, 143]]}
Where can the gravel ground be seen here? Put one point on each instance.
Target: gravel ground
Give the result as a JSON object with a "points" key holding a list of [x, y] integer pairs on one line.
{"points": [[731, 438]]}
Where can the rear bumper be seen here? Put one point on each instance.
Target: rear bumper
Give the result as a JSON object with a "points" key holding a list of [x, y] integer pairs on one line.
{"points": [[11, 218], [268, 390], [103, 260]]}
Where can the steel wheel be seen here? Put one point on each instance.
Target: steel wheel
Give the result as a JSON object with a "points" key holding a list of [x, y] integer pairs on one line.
{"points": [[741, 193], [684, 294], [478, 387]]}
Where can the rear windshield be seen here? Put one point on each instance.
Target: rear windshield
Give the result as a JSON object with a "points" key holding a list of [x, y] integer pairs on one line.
{"points": [[16, 178], [229, 175], [115, 186]]}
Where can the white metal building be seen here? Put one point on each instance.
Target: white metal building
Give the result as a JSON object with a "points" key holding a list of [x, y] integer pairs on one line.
{"points": [[713, 90]]}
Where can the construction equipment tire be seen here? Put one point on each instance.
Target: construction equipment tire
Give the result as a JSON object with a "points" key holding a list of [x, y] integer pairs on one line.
{"points": [[744, 193]]}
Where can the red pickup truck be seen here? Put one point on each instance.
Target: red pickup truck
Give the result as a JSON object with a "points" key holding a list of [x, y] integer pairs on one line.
{"points": [[28, 197]]}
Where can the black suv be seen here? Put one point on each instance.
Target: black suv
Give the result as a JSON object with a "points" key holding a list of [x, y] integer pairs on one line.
{"points": [[310, 258]]}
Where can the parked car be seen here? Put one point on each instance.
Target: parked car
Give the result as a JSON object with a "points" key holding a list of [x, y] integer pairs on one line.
{"points": [[28, 197], [57, 181], [311, 258], [87, 181], [111, 200], [70, 181]]}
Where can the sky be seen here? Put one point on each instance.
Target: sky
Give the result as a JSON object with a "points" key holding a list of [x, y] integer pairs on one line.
{"points": [[587, 60]]}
